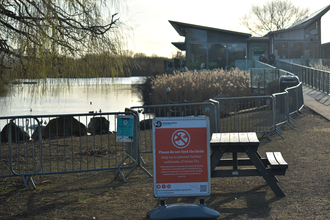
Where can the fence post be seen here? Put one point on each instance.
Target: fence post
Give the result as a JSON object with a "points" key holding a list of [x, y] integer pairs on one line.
{"points": [[196, 95], [327, 83]]}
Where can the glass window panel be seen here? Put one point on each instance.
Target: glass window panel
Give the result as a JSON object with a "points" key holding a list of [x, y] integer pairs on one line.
{"points": [[311, 50], [197, 35], [296, 49], [197, 56], [312, 32], [257, 49], [213, 36], [236, 52], [217, 56], [281, 50]]}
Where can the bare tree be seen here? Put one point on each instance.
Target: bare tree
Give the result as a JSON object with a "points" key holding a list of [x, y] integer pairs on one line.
{"points": [[272, 16], [43, 32]]}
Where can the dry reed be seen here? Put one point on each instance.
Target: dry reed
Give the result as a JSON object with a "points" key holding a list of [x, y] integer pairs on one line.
{"points": [[192, 86], [321, 67]]}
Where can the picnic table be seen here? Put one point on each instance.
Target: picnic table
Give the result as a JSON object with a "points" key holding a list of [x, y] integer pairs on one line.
{"points": [[248, 143]]}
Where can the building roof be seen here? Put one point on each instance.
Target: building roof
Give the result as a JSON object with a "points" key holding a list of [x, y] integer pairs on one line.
{"points": [[180, 45], [306, 21], [180, 28]]}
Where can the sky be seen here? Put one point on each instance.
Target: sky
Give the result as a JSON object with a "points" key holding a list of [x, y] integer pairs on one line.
{"points": [[151, 33]]}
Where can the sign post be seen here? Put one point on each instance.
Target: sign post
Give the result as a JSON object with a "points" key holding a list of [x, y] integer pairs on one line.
{"points": [[181, 160]]}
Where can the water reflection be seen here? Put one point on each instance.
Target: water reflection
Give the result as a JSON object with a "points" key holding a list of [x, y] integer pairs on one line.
{"points": [[72, 96]]}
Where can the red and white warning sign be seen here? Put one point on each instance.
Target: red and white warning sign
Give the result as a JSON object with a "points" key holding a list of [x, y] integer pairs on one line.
{"points": [[181, 157], [180, 138]]}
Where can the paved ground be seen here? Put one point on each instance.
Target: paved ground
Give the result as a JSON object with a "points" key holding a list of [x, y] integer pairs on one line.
{"points": [[317, 101]]}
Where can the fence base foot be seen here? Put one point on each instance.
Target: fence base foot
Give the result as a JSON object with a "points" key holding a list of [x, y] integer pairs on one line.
{"points": [[26, 184], [138, 165], [288, 123], [268, 136], [122, 175], [279, 131]]}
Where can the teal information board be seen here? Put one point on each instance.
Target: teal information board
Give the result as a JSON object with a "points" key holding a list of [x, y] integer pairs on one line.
{"points": [[125, 128]]}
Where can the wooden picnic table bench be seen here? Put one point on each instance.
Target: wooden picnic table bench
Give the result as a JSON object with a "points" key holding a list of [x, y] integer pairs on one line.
{"points": [[248, 143]]}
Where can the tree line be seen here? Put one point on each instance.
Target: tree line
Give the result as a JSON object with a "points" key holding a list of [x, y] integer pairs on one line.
{"points": [[85, 38]]}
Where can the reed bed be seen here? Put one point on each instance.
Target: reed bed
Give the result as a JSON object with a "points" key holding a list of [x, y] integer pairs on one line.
{"points": [[196, 86], [321, 67]]}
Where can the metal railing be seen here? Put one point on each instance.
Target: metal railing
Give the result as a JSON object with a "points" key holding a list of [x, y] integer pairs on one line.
{"points": [[315, 78], [260, 78], [57, 144]]}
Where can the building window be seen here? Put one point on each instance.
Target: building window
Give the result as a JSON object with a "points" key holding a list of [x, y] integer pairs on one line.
{"points": [[197, 56], [311, 50], [312, 32], [214, 37], [197, 35], [281, 50], [296, 50], [217, 56], [236, 52], [257, 49]]}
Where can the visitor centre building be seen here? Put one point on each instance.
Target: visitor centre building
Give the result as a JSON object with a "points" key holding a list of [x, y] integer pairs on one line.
{"points": [[209, 48]]}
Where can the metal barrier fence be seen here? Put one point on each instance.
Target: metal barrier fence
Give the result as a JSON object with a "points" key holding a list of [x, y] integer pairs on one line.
{"points": [[287, 103], [89, 142], [281, 111], [148, 112], [295, 99], [56, 144], [261, 114], [246, 114], [318, 79]]}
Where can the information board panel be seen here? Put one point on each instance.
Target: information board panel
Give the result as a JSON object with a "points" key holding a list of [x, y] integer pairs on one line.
{"points": [[125, 128], [181, 157]]}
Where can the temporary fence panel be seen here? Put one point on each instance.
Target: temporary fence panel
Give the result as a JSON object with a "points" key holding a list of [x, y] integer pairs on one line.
{"points": [[281, 113], [148, 112], [292, 100], [295, 98], [4, 151], [246, 114], [300, 97], [55, 144], [281, 108]]}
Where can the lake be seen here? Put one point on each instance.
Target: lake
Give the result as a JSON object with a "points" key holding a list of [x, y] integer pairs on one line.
{"points": [[81, 96]]}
